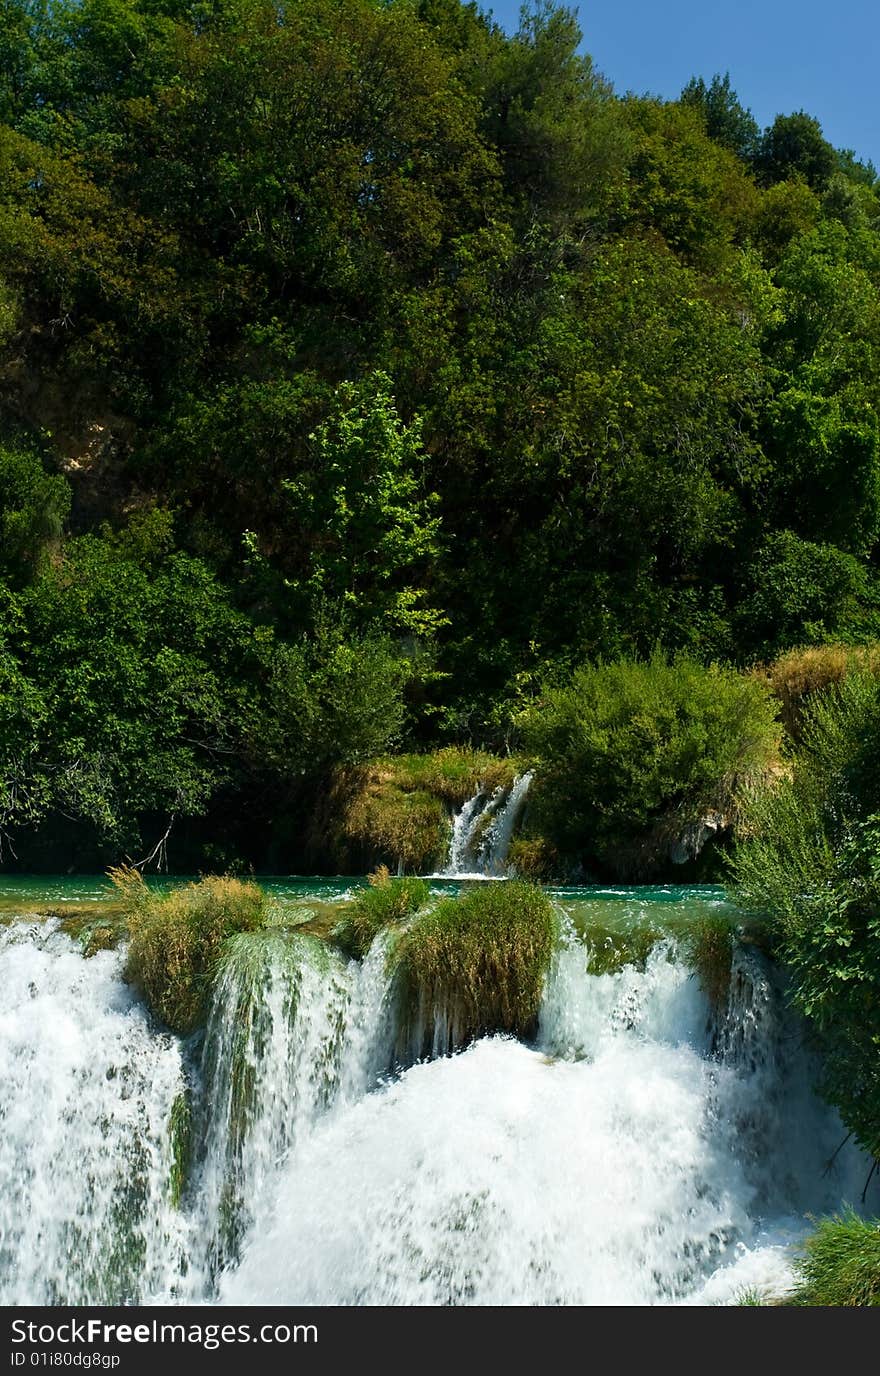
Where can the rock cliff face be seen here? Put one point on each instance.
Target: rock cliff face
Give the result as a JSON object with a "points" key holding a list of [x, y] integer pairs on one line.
{"points": [[694, 836]]}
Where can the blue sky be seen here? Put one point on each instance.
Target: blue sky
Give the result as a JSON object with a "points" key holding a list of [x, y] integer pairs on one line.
{"points": [[782, 55]]}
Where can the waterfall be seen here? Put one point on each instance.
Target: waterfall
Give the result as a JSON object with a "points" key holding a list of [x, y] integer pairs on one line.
{"points": [[646, 1148], [86, 1093], [293, 1030], [464, 828], [603, 1165], [482, 831]]}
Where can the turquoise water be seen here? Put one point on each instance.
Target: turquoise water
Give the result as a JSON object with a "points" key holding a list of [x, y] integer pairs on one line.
{"points": [[618, 907], [42, 890]]}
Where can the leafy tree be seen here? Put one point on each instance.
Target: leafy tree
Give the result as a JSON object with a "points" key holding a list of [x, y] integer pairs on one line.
{"points": [[361, 511], [34, 505], [794, 146], [797, 592], [727, 121]]}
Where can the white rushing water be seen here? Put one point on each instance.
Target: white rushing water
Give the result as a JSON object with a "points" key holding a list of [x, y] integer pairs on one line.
{"points": [[86, 1092], [482, 831], [643, 1151], [294, 1031], [614, 1163]]}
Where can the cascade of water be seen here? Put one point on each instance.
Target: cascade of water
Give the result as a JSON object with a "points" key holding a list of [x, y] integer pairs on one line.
{"points": [[293, 1028], [269, 1067], [464, 826], [641, 1151], [86, 1160], [482, 831], [603, 1166], [496, 840]]}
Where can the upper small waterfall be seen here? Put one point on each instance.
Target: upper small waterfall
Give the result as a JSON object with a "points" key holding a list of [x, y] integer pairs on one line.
{"points": [[482, 831]]}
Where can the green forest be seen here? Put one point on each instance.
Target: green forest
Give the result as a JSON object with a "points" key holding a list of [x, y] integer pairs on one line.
{"points": [[383, 399]]}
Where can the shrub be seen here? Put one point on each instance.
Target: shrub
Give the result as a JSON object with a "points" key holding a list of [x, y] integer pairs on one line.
{"points": [[386, 903], [176, 939], [474, 965], [810, 861], [627, 748], [804, 592], [533, 858], [841, 1265]]}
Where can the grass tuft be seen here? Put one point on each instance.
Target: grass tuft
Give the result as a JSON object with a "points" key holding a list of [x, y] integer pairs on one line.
{"points": [[386, 903], [476, 965], [176, 939], [841, 1264], [799, 674]]}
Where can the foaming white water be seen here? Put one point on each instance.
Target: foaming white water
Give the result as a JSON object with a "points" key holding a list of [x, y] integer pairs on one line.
{"points": [[85, 1156], [646, 1150], [293, 1030], [581, 1011], [613, 1164], [500, 1177]]}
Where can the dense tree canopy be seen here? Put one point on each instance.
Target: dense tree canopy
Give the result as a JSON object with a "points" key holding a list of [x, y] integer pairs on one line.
{"points": [[361, 365]]}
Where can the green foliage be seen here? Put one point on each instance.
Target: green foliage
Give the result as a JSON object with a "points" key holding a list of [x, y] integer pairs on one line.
{"points": [[477, 964], [453, 774], [386, 903], [397, 809], [393, 364], [794, 146], [799, 592], [810, 861], [629, 745], [141, 677], [841, 1264], [796, 675], [727, 122], [176, 941], [331, 701], [34, 505], [360, 502]]}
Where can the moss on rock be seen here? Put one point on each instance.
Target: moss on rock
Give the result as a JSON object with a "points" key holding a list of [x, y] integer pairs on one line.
{"points": [[398, 810]]}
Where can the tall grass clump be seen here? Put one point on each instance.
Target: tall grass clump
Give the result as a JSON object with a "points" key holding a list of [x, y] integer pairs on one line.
{"points": [[809, 861], [798, 675], [386, 903], [176, 940], [841, 1264], [629, 754], [474, 965]]}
